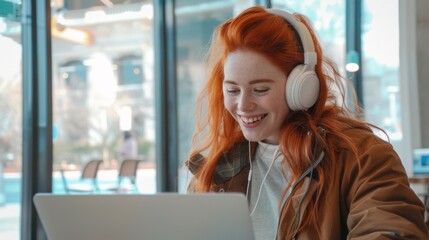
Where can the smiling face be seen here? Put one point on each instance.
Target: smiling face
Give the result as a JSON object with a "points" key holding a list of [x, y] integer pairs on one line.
{"points": [[254, 94]]}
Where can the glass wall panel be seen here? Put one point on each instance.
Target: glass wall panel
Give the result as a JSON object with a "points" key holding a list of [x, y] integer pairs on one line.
{"points": [[103, 94], [10, 123], [380, 64], [196, 21], [329, 20]]}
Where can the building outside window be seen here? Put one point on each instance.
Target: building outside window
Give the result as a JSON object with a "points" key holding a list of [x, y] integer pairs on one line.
{"points": [[103, 86]]}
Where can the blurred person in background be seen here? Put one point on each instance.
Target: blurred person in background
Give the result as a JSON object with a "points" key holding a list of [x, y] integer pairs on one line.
{"points": [[129, 148]]}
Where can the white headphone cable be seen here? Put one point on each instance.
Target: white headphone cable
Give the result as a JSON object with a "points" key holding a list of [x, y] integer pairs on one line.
{"points": [[275, 156], [249, 177]]}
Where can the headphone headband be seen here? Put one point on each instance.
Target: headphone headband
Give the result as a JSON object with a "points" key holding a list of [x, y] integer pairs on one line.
{"points": [[310, 56], [302, 84]]}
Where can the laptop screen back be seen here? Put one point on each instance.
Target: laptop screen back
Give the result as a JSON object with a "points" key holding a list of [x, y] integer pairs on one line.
{"points": [[160, 216]]}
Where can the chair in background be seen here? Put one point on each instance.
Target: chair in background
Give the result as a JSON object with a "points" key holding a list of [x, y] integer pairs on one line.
{"points": [[127, 171], [88, 179]]}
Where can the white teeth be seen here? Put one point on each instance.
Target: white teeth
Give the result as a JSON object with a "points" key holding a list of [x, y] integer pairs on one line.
{"points": [[251, 120]]}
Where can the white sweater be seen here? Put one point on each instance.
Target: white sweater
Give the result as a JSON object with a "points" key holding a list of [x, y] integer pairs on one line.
{"points": [[265, 214]]}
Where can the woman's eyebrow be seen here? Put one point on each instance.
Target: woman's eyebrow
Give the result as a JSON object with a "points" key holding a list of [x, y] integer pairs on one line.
{"points": [[250, 82], [261, 81]]}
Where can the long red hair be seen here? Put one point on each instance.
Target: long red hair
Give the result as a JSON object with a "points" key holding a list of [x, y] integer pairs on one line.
{"points": [[257, 30]]}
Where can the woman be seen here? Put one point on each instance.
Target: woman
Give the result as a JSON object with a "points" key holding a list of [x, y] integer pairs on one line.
{"points": [[284, 137]]}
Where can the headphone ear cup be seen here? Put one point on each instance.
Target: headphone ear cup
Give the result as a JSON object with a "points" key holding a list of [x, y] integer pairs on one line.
{"points": [[302, 88]]}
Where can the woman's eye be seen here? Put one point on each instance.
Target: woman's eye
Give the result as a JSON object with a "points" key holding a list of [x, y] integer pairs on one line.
{"points": [[261, 90], [232, 91]]}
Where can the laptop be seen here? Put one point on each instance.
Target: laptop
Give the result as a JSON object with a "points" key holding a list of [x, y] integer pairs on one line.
{"points": [[162, 216], [421, 161]]}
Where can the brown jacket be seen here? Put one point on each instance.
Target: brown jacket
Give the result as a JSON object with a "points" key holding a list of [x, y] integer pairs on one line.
{"points": [[370, 199]]}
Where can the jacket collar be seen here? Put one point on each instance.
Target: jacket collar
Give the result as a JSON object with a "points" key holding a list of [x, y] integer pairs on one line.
{"points": [[229, 164]]}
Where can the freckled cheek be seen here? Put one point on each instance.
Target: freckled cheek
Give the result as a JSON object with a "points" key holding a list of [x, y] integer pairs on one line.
{"points": [[229, 105]]}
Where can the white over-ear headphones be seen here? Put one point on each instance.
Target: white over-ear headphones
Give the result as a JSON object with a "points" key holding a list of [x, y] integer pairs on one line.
{"points": [[302, 85]]}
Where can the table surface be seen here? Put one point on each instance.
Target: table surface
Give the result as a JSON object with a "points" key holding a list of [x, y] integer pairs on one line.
{"points": [[419, 179]]}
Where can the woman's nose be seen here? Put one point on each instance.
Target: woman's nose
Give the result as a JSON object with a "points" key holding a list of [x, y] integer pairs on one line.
{"points": [[245, 103]]}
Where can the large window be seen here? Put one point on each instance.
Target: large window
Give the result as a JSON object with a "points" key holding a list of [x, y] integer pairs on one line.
{"points": [[328, 18], [10, 123], [103, 91], [195, 25], [380, 65]]}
